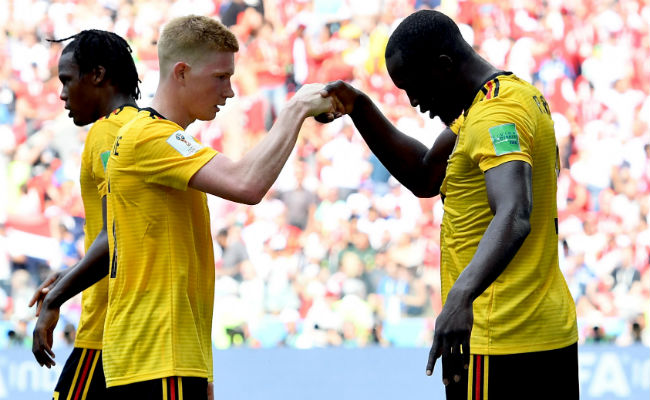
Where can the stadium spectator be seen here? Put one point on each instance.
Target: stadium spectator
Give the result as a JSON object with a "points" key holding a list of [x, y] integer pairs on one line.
{"points": [[596, 37]]}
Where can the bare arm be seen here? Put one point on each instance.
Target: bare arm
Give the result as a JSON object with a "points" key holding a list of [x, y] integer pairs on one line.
{"points": [[509, 190], [248, 180], [92, 268], [88, 271], [510, 195], [417, 167]]}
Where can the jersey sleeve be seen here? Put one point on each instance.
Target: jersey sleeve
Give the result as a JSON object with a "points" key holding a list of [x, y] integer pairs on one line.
{"points": [[168, 156], [499, 131], [98, 145], [455, 126]]}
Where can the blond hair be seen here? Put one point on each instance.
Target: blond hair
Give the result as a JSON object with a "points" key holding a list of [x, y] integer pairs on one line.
{"points": [[190, 37]]}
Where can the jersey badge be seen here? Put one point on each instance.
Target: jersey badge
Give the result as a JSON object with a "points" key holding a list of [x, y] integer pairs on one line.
{"points": [[505, 139], [185, 144]]}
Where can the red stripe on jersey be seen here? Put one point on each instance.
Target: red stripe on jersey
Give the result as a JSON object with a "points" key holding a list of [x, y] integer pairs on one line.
{"points": [[489, 93]]}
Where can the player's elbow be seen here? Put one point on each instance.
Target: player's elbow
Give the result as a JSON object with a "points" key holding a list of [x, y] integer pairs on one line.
{"points": [[426, 192], [521, 223], [423, 188], [249, 193], [251, 197]]}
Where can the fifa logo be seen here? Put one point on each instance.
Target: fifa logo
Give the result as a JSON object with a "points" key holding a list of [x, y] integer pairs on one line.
{"points": [[181, 137]]}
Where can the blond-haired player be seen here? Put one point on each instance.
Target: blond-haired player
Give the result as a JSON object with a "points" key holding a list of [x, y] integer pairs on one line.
{"points": [[161, 279]]}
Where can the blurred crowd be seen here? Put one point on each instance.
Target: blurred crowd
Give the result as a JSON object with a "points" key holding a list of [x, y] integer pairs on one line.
{"points": [[339, 253]]}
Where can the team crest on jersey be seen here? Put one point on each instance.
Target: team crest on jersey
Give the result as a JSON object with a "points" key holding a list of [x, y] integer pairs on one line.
{"points": [[184, 143], [505, 139]]}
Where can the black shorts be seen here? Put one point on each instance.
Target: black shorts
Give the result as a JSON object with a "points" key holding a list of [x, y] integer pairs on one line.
{"points": [[82, 377], [545, 375], [170, 388]]}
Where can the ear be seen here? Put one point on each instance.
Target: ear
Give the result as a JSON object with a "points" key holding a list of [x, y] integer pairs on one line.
{"points": [[179, 72], [98, 75]]}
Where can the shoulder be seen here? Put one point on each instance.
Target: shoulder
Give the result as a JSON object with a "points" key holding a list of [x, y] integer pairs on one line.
{"points": [[147, 124], [505, 98]]}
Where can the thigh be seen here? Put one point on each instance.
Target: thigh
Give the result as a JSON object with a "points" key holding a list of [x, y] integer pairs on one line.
{"points": [[170, 388], [82, 376], [536, 375]]}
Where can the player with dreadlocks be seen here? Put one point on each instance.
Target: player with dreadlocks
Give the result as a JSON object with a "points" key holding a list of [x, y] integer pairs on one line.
{"points": [[100, 85]]}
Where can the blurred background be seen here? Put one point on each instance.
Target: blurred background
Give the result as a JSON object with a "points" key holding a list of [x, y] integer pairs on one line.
{"points": [[339, 254]]}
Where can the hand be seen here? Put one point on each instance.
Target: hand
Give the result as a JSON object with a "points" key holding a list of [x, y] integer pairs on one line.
{"points": [[210, 391], [44, 289], [310, 96], [451, 338], [343, 96], [42, 343]]}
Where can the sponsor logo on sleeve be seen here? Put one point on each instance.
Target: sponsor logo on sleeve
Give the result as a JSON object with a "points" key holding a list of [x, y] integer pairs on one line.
{"points": [[184, 143], [505, 139]]}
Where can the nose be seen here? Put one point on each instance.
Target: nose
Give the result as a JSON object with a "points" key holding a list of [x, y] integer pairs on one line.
{"points": [[64, 94], [414, 102], [228, 92]]}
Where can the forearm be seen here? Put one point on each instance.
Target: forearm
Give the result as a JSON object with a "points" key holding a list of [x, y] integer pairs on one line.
{"points": [[502, 239], [260, 167], [402, 155], [92, 268]]}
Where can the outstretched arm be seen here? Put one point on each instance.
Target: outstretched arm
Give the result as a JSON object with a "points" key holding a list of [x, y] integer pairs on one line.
{"points": [[248, 180], [509, 190], [92, 268], [417, 167]]}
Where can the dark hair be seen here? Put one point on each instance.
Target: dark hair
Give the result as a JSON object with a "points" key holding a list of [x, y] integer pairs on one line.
{"points": [[424, 35], [93, 48]]}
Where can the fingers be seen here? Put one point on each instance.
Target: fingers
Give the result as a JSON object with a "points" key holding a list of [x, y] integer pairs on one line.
{"points": [[39, 306], [466, 355], [338, 105], [42, 348], [325, 118], [43, 289], [434, 353], [455, 362], [38, 296], [330, 87], [43, 338]]}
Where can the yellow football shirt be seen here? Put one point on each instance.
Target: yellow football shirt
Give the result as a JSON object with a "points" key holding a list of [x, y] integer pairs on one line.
{"points": [[161, 281], [455, 126], [528, 308], [99, 142]]}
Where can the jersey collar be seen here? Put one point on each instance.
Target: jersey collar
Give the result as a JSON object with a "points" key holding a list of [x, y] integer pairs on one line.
{"points": [[487, 88]]}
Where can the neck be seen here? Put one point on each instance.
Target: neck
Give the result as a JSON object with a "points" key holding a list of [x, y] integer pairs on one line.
{"points": [[118, 100], [170, 106], [477, 70]]}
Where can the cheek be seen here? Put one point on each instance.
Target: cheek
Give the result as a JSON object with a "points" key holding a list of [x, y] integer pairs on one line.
{"points": [[74, 95]]}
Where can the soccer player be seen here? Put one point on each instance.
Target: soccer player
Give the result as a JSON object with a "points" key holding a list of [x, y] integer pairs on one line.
{"points": [[161, 278], [100, 85], [508, 326]]}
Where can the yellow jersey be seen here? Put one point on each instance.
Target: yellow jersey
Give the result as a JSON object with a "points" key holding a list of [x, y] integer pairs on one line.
{"points": [[99, 142], [161, 280], [455, 126], [529, 307]]}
